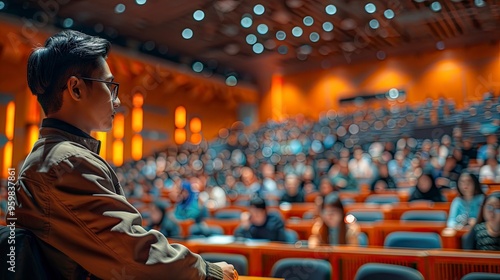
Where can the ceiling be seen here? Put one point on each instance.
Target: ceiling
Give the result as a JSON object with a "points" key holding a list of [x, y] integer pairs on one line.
{"points": [[219, 40]]}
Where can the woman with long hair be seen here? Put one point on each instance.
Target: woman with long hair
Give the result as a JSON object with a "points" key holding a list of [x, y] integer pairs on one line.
{"points": [[485, 235], [330, 228], [465, 207]]}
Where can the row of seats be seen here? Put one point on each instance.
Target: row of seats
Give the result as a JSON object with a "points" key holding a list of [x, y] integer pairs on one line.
{"points": [[316, 269]]}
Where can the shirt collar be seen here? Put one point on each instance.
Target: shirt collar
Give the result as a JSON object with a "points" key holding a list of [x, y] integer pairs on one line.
{"points": [[79, 135]]}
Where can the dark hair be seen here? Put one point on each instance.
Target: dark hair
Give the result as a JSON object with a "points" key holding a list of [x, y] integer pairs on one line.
{"points": [[475, 180], [480, 217], [258, 202], [67, 53], [333, 200]]}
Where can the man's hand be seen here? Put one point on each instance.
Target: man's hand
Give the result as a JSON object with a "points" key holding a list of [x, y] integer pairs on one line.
{"points": [[227, 270], [245, 220]]}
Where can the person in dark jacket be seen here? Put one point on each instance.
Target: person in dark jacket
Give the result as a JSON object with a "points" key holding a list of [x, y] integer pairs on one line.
{"points": [[259, 224], [485, 235], [426, 189], [160, 221], [293, 193], [383, 181]]}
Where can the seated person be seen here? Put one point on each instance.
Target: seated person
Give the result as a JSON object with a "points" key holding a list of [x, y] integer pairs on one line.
{"points": [[485, 235], [341, 176], [160, 221], [259, 224], [383, 181], [490, 171], [426, 189], [187, 203], [465, 207], [330, 228], [293, 193]]}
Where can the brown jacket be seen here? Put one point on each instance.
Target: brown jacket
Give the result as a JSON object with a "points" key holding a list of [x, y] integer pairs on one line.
{"points": [[70, 198]]}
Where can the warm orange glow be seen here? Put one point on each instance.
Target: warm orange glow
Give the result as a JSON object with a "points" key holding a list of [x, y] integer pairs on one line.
{"points": [[102, 136], [119, 126], [277, 96], [195, 125], [32, 136], [180, 136], [138, 100], [137, 119], [180, 117], [33, 113], [137, 147], [196, 138], [7, 159], [118, 152], [9, 120]]}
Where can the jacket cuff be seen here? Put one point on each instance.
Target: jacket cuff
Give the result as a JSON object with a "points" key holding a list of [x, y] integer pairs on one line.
{"points": [[214, 272]]}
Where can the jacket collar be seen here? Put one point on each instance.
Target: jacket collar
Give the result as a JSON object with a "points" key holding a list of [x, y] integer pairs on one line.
{"points": [[71, 132]]}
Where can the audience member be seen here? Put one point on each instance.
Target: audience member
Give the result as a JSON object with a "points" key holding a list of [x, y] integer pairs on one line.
{"points": [[258, 223], [187, 203], [485, 235], [293, 193], [464, 208], [160, 221], [331, 228], [426, 189]]}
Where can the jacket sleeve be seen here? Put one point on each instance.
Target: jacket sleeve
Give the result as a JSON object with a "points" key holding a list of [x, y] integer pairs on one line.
{"points": [[452, 217], [97, 228]]}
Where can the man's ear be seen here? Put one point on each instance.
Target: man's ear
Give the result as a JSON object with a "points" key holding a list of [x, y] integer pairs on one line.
{"points": [[75, 87]]}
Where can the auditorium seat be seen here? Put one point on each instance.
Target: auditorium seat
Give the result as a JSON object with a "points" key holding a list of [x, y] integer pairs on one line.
{"points": [[379, 271], [291, 236], [481, 276], [425, 215], [362, 239], [239, 262], [382, 198], [363, 216], [200, 230], [413, 240], [304, 269], [228, 214]]}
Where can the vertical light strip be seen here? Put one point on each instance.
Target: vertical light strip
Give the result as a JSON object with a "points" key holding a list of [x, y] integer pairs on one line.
{"points": [[9, 120], [102, 136], [7, 159], [118, 133]]}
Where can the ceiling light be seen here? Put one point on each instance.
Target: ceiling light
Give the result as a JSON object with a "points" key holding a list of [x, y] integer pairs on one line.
{"points": [[198, 15], [259, 9], [370, 8], [2, 5], [187, 33], [389, 14], [140, 2], [120, 8], [331, 9], [327, 26], [262, 28], [281, 35], [67, 23], [374, 24], [314, 37], [231, 81], [436, 6], [246, 21], [308, 21], [198, 67], [258, 48], [297, 31], [480, 3], [251, 39]]}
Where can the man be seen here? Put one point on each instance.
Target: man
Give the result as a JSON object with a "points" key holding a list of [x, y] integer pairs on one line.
{"points": [[293, 193], [259, 224], [68, 196]]}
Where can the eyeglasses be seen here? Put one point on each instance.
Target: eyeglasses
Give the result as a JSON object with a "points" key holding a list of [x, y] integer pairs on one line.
{"points": [[113, 86], [491, 208]]}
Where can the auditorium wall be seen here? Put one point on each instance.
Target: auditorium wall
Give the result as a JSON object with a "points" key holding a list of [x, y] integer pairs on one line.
{"points": [[163, 86], [463, 75]]}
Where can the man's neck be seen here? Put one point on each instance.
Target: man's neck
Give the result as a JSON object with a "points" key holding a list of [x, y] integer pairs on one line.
{"points": [[71, 121]]}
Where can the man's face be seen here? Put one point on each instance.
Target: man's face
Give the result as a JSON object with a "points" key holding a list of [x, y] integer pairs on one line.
{"points": [[99, 108], [257, 216]]}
